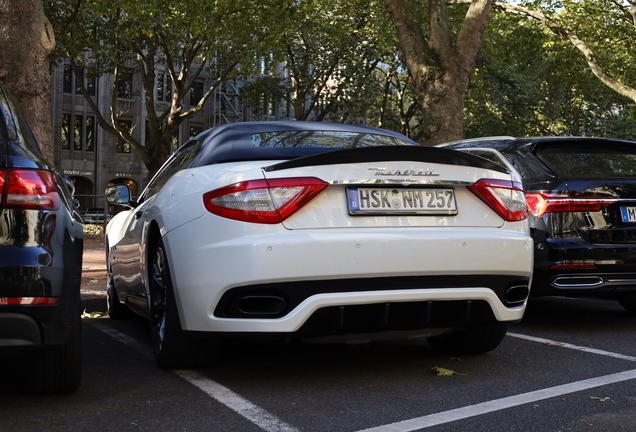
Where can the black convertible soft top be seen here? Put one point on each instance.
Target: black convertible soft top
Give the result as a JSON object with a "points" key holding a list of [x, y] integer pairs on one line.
{"points": [[302, 143]]}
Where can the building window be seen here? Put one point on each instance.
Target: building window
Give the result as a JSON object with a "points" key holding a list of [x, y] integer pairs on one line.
{"points": [[67, 79], [194, 131], [81, 133], [196, 93], [124, 86], [79, 78], [89, 129], [77, 132], [91, 85], [160, 87], [122, 146], [66, 131], [164, 87]]}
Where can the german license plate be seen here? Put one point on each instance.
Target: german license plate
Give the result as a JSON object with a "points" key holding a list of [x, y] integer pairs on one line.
{"points": [[401, 201], [628, 214]]}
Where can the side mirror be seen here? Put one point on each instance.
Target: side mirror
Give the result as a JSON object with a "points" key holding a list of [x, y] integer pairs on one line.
{"points": [[118, 194]]}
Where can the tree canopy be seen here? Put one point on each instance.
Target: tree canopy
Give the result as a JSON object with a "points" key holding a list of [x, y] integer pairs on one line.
{"points": [[434, 70], [183, 38], [329, 50], [529, 81]]}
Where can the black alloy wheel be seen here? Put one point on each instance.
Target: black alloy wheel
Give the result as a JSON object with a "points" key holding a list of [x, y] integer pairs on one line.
{"points": [[114, 308], [172, 348]]}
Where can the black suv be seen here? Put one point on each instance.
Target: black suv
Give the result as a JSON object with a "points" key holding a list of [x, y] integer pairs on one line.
{"points": [[41, 242], [581, 194]]}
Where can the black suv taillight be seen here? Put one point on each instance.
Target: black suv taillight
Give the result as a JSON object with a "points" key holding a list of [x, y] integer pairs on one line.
{"points": [[28, 190]]}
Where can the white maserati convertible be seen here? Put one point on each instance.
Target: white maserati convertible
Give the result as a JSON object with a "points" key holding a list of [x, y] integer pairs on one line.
{"points": [[321, 232]]}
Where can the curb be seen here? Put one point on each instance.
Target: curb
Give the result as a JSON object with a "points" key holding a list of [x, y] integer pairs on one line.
{"points": [[94, 269]]}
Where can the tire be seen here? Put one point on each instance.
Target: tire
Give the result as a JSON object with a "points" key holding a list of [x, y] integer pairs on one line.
{"points": [[172, 348], [628, 301], [476, 340], [58, 369], [115, 309]]}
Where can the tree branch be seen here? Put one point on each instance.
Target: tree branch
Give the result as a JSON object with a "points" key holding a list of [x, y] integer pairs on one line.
{"points": [[471, 33], [588, 53], [440, 41], [211, 90]]}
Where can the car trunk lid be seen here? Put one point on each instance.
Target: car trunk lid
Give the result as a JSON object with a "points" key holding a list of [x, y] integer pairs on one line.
{"points": [[392, 187]]}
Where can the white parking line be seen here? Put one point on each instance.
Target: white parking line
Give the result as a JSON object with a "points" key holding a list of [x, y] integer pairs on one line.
{"points": [[574, 347], [242, 406], [513, 401], [500, 404], [144, 350], [271, 423]]}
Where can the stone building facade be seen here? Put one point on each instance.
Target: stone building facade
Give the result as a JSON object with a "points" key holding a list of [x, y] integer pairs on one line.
{"points": [[94, 159]]}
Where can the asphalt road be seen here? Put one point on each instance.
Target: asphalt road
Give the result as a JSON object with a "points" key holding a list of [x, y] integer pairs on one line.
{"points": [[570, 365]]}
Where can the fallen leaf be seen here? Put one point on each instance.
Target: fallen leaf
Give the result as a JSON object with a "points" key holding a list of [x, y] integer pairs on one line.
{"points": [[93, 314], [445, 372], [94, 280], [600, 399], [556, 344]]}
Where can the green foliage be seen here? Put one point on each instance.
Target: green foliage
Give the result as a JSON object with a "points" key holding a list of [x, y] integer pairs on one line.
{"points": [[330, 49], [394, 102], [530, 82], [93, 230], [340, 62], [182, 37]]}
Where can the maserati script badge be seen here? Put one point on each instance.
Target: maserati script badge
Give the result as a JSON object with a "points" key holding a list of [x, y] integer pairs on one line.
{"points": [[406, 172]]}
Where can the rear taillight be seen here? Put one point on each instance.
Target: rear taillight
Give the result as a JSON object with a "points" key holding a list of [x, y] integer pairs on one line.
{"points": [[22, 301], [29, 189], [505, 197], [541, 203], [263, 201]]}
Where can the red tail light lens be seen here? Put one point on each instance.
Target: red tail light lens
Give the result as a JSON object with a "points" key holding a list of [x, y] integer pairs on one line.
{"points": [[541, 203], [572, 266], [263, 201], [505, 197], [29, 189], [18, 301]]}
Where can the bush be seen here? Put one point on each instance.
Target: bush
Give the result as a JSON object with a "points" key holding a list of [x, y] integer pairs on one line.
{"points": [[93, 230]]}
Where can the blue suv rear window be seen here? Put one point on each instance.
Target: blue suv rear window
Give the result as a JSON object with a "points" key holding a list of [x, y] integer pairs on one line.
{"points": [[601, 161]]}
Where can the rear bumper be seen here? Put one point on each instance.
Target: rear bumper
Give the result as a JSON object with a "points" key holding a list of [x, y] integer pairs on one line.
{"points": [[583, 283], [32, 326], [575, 267], [293, 321], [203, 270]]}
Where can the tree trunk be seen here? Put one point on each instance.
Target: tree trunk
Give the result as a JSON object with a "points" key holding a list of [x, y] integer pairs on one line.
{"points": [[27, 41], [441, 71]]}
